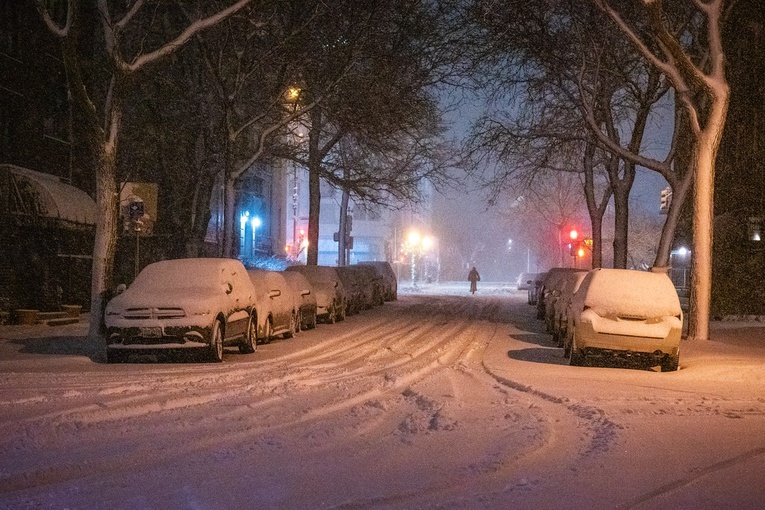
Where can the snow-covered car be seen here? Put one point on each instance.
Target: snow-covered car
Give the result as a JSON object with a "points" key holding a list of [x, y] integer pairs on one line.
{"points": [[390, 282], [355, 299], [305, 299], [623, 312], [274, 304], [563, 304], [363, 287], [536, 288], [525, 281], [201, 304], [330, 294], [373, 282], [556, 289], [552, 280]]}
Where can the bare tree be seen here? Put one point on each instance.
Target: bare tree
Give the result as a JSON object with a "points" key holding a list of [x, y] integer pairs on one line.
{"points": [[100, 103], [702, 90], [568, 84], [395, 54], [252, 59]]}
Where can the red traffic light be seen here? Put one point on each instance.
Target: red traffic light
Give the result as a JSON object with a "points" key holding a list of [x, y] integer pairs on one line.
{"points": [[574, 234]]}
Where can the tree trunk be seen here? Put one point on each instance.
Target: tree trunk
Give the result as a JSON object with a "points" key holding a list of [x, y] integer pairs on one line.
{"points": [[106, 231], [343, 229], [596, 223], [701, 255], [621, 225], [314, 187], [679, 195]]}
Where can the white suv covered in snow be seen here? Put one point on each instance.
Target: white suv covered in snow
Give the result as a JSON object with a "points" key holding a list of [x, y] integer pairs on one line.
{"points": [[200, 304], [618, 312]]}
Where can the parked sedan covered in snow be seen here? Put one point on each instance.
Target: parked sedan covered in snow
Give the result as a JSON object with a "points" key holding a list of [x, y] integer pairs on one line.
{"points": [[622, 312], [200, 304], [329, 290], [390, 282], [304, 299], [274, 304]]}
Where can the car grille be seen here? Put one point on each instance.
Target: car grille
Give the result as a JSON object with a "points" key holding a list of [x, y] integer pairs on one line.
{"points": [[154, 313]]}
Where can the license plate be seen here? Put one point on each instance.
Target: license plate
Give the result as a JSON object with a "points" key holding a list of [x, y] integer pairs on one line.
{"points": [[151, 332]]}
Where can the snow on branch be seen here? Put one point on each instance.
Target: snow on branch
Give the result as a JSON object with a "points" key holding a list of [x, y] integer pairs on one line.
{"points": [[170, 47]]}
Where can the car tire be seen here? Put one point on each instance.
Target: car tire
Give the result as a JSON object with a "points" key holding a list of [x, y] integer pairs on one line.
{"points": [[250, 341], [670, 363], [216, 342], [268, 332], [577, 358], [332, 315], [292, 326]]}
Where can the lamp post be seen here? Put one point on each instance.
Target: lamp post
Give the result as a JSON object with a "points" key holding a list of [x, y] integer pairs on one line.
{"points": [[413, 240], [416, 245]]}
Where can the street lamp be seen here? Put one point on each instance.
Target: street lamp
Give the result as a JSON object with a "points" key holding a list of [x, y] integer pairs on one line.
{"points": [[416, 245]]}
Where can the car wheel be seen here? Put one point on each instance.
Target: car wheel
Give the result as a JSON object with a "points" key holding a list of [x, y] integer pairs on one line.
{"points": [[268, 332], [332, 316], [250, 341], [670, 363], [292, 327], [577, 358], [216, 342], [115, 356]]}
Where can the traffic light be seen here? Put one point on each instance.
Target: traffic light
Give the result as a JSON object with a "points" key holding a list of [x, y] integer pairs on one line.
{"points": [[666, 200], [574, 234], [580, 251]]}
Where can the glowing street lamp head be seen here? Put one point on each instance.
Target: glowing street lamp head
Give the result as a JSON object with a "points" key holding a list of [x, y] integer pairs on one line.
{"points": [[413, 238], [293, 93], [255, 221], [427, 242]]}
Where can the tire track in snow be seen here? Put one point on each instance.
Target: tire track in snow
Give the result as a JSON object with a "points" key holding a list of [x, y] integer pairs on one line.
{"points": [[426, 360]]}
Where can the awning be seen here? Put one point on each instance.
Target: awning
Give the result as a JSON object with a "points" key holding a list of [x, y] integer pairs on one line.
{"points": [[52, 197]]}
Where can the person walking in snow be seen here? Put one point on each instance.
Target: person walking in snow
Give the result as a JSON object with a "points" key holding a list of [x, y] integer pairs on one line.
{"points": [[474, 278]]}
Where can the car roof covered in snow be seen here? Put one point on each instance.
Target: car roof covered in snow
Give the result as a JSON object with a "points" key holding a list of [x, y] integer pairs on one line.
{"points": [[630, 292], [190, 273]]}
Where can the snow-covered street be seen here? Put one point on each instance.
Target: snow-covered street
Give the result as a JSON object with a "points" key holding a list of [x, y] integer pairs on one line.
{"points": [[438, 400]]}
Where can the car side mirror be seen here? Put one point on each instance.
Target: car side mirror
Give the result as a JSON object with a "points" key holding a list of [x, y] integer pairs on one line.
{"points": [[306, 292], [274, 293]]}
